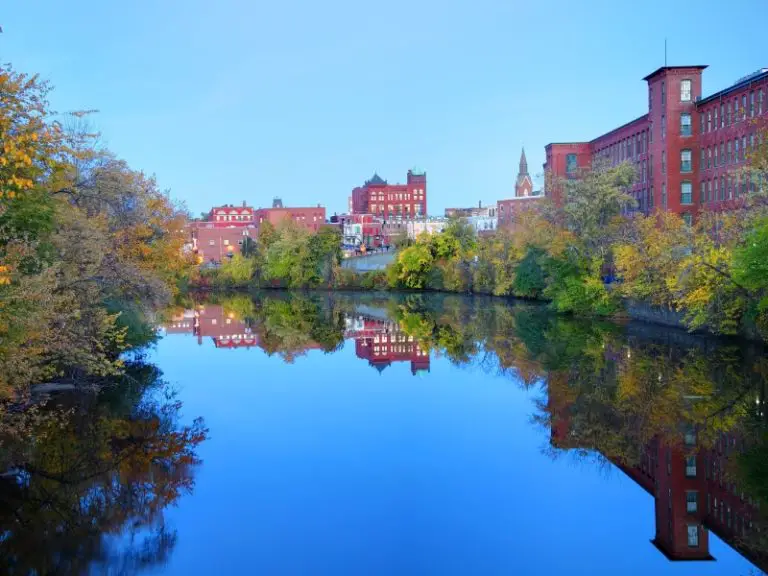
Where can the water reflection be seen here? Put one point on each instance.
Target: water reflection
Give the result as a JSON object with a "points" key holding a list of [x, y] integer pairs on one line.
{"points": [[86, 480], [681, 415]]}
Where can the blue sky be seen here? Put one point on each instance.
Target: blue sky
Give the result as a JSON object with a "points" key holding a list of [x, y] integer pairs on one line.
{"points": [[232, 100]]}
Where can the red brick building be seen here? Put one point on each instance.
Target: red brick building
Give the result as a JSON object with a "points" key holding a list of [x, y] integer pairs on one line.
{"points": [[212, 243], [223, 232], [388, 201], [231, 215], [311, 218], [685, 148]]}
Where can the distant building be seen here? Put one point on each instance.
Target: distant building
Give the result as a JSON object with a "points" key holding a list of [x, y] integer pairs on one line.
{"points": [[226, 227], [212, 243], [231, 215], [687, 149], [415, 228], [310, 218], [359, 229], [483, 224], [479, 210], [392, 201], [525, 197]]}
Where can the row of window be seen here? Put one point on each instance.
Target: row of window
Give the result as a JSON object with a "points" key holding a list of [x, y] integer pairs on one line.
{"points": [[730, 152], [396, 209], [739, 523], [728, 187], [729, 112], [417, 195], [625, 149], [401, 337], [234, 217]]}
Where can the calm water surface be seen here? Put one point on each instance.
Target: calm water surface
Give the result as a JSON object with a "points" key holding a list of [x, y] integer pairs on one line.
{"points": [[444, 435]]}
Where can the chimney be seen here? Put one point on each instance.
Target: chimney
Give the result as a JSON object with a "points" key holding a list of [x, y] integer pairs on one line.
{"points": [[480, 204], [243, 203]]}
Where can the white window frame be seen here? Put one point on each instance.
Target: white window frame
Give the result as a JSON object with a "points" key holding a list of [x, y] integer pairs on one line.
{"points": [[685, 90]]}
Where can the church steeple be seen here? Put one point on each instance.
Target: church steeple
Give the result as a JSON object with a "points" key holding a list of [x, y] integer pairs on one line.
{"points": [[523, 164], [524, 184]]}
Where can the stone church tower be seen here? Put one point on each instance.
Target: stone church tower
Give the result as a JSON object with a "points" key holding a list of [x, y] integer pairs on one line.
{"points": [[524, 184]]}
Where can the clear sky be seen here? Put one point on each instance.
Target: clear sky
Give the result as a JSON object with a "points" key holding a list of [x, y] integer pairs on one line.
{"points": [[230, 100]]}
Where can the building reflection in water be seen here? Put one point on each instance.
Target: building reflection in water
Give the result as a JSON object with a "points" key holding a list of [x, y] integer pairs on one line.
{"points": [[382, 342], [692, 491], [379, 341]]}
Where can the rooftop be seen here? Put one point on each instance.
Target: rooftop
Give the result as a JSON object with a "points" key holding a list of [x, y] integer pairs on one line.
{"points": [[664, 68], [758, 76]]}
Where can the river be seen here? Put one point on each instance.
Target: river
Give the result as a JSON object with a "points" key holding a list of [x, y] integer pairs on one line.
{"points": [[442, 434]]}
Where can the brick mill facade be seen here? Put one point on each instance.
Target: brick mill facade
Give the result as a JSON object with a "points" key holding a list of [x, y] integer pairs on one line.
{"points": [[690, 151]]}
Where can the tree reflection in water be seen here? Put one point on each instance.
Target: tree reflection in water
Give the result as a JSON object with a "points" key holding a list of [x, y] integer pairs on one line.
{"points": [[86, 480]]}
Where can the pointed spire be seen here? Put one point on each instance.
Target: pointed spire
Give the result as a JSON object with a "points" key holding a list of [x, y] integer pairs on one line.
{"points": [[523, 164]]}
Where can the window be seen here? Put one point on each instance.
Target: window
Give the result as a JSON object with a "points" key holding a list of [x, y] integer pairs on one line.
{"points": [[714, 190], [709, 121], [701, 122], [728, 114], [744, 107], [571, 164], [226, 242], [743, 147], [211, 242], [715, 160], [702, 192], [663, 161], [736, 153], [714, 122], [751, 104], [690, 438], [760, 101], [663, 126], [703, 159], [691, 502], [693, 536], [729, 152], [685, 90], [690, 461], [650, 131], [722, 115], [685, 161], [709, 158], [664, 195], [685, 124], [687, 218], [663, 92], [722, 154]]}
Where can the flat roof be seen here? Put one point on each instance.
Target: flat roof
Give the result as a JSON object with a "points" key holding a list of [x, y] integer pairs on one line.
{"points": [[659, 70], [638, 119], [734, 87]]}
